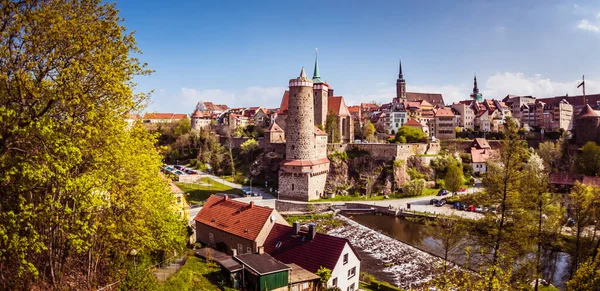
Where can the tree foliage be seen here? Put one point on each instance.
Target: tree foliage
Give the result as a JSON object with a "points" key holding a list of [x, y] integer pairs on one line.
{"points": [[368, 130], [588, 160], [414, 187], [454, 179], [332, 128], [407, 134], [78, 188]]}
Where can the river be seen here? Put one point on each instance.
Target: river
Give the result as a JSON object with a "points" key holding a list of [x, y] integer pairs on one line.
{"points": [[555, 264]]}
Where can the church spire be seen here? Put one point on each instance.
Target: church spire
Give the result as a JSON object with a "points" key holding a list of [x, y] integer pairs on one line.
{"points": [[400, 75], [316, 76], [475, 89]]}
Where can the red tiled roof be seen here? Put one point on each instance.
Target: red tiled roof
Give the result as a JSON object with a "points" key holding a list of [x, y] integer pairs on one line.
{"points": [[369, 106], [571, 179], [354, 109], [480, 155], [413, 122], [482, 143], [274, 128], [576, 101], [179, 116], [234, 217], [432, 98], [323, 251], [587, 111], [444, 112], [284, 102], [318, 131], [301, 163], [201, 114], [337, 105]]}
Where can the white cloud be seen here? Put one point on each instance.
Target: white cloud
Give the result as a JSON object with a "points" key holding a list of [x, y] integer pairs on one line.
{"points": [[598, 16], [251, 96], [502, 84], [585, 24]]}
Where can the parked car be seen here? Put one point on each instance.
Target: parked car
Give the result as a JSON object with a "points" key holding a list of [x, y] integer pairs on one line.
{"points": [[571, 221], [433, 201], [471, 208], [443, 192], [441, 203], [178, 167], [494, 209], [463, 189], [479, 208], [458, 206], [486, 209]]}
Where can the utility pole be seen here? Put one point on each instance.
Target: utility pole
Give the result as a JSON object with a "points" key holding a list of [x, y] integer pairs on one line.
{"points": [[582, 84]]}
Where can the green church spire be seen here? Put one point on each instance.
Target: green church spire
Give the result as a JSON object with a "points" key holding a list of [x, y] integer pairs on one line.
{"points": [[316, 77]]}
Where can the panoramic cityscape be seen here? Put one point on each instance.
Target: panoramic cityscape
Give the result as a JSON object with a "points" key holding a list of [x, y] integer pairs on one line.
{"points": [[232, 154]]}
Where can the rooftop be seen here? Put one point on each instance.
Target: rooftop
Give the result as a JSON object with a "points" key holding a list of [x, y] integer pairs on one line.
{"points": [[262, 264]]}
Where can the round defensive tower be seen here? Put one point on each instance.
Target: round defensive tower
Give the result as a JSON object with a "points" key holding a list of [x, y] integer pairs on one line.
{"points": [[587, 126], [301, 119]]}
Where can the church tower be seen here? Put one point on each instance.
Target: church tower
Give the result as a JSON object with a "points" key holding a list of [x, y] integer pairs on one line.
{"points": [[303, 173], [320, 90], [401, 85], [476, 96]]}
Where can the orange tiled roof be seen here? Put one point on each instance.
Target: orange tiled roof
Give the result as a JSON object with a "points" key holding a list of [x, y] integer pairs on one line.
{"points": [[480, 155], [413, 122], [234, 217], [444, 112], [337, 105], [354, 109]]}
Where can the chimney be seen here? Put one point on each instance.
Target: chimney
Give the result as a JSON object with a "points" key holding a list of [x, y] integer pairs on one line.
{"points": [[296, 227], [226, 197], [251, 204], [261, 250], [234, 252], [312, 231], [330, 92]]}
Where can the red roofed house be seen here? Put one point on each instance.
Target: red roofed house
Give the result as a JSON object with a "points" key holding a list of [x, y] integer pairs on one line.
{"points": [[201, 119], [479, 159], [311, 250], [444, 124], [226, 224]]}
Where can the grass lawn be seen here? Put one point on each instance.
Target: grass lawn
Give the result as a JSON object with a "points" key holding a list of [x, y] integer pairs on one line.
{"points": [[194, 275], [341, 198], [196, 193]]}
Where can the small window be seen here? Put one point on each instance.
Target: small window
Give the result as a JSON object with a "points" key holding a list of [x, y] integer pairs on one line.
{"points": [[351, 287], [351, 273], [334, 282], [248, 250], [345, 259], [292, 187], [240, 249], [305, 286], [278, 245], [294, 288], [211, 239]]}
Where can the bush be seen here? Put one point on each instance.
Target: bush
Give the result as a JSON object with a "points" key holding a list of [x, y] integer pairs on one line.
{"points": [[356, 153], [338, 156], [414, 187]]}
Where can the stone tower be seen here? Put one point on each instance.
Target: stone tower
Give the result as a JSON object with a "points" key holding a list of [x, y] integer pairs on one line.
{"points": [[321, 93], [303, 173], [401, 85]]}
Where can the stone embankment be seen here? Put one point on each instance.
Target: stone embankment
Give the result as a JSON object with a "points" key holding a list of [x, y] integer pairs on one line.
{"points": [[410, 267]]}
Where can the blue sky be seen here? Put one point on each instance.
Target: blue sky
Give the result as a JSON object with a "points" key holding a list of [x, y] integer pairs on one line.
{"points": [[243, 53]]}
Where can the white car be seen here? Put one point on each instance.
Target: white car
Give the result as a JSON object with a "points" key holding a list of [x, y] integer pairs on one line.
{"points": [[479, 208]]}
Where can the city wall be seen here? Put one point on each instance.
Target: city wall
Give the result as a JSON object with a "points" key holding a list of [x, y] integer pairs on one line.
{"points": [[284, 206], [388, 151]]}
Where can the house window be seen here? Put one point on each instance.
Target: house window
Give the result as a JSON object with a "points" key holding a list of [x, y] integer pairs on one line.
{"points": [[351, 287], [211, 239], [292, 187], [345, 259], [305, 286], [334, 282], [351, 273], [248, 250], [294, 288], [240, 249]]}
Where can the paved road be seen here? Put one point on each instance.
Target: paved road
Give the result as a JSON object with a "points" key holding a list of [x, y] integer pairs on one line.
{"points": [[257, 190]]}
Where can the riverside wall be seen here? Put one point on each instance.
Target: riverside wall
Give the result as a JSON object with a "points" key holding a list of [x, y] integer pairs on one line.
{"points": [[388, 151]]}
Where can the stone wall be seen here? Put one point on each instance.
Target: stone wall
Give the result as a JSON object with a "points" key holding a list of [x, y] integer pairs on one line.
{"points": [[283, 206], [387, 151]]}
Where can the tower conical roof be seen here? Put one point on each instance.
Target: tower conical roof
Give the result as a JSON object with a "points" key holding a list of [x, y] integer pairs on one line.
{"points": [[587, 111], [302, 73], [316, 76], [400, 75]]}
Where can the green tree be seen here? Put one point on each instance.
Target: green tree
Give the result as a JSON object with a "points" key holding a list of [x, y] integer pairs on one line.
{"points": [[324, 275], [588, 160], [332, 128], [454, 178], [587, 276], [184, 126], [549, 152], [414, 187], [407, 134], [79, 189], [368, 131], [250, 149], [449, 235], [502, 187], [581, 199]]}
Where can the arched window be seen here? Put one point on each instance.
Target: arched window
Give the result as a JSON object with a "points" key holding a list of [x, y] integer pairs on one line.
{"points": [[292, 187]]}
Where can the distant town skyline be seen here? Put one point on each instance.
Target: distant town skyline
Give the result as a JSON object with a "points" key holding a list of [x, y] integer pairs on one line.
{"points": [[243, 54]]}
